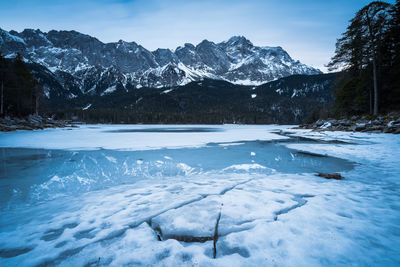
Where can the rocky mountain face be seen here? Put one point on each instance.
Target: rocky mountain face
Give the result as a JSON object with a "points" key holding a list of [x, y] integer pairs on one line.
{"points": [[71, 64]]}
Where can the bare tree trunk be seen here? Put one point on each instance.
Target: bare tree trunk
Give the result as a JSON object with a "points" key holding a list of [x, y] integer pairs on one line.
{"points": [[370, 101], [37, 105], [375, 87], [372, 36], [2, 98]]}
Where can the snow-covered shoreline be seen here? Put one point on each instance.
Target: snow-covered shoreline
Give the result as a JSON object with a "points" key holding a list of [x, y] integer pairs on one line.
{"points": [[31, 122], [381, 124], [138, 136]]}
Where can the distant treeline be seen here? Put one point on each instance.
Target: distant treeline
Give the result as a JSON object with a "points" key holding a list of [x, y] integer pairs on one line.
{"points": [[369, 53], [288, 100]]}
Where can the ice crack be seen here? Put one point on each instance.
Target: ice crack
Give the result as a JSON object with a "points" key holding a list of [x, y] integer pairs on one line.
{"points": [[301, 201], [119, 232], [216, 233]]}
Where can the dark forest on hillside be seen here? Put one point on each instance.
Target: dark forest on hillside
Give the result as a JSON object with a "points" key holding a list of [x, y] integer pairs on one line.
{"points": [[20, 92]]}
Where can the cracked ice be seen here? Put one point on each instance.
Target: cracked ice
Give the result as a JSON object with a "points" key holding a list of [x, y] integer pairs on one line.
{"points": [[198, 195]]}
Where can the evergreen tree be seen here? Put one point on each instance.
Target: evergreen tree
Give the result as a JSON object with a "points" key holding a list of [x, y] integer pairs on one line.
{"points": [[3, 67], [362, 45], [20, 91], [393, 97]]}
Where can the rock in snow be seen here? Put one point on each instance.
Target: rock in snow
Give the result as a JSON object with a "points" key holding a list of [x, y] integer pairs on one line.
{"points": [[32, 122], [389, 123], [336, 176]]}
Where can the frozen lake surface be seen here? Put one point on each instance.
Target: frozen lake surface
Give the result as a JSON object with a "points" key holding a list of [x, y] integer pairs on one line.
{"points": [[128, 195]]}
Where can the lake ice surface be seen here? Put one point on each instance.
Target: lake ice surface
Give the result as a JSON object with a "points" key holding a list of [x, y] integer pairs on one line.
{"points": [[232, 195]]}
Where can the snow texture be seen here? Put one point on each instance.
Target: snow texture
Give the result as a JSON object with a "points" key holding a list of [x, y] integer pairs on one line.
{"points": [[136, 137], [198, 195]]}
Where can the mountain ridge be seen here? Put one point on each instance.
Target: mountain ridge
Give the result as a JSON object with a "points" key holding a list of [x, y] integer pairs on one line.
{"points": [[87, 60]]}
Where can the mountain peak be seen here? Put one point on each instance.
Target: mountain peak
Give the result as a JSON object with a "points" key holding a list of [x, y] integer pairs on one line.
{"points": [[189, 45], [205, 42], [6, 36], [32, 31], [238, 39], [236, 60]]}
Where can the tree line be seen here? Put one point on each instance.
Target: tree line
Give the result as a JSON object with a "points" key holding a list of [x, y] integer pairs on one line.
{"points": [[369, 55], [20, 92]]}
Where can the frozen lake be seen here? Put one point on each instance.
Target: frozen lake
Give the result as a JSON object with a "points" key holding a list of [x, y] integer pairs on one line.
{"points": [[234, 195]]}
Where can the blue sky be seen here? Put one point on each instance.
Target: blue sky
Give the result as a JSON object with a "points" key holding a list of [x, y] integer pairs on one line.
{"points": [[307, 29]]}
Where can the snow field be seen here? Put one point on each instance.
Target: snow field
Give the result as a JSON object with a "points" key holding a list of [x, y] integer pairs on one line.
{"points": [[245, 214]]}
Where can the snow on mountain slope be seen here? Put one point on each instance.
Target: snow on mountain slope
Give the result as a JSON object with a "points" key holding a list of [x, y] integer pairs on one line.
{"points": [[84, 57]]}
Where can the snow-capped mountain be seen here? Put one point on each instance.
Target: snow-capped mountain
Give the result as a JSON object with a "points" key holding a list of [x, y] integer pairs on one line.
{"points": [[100, 68]]}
